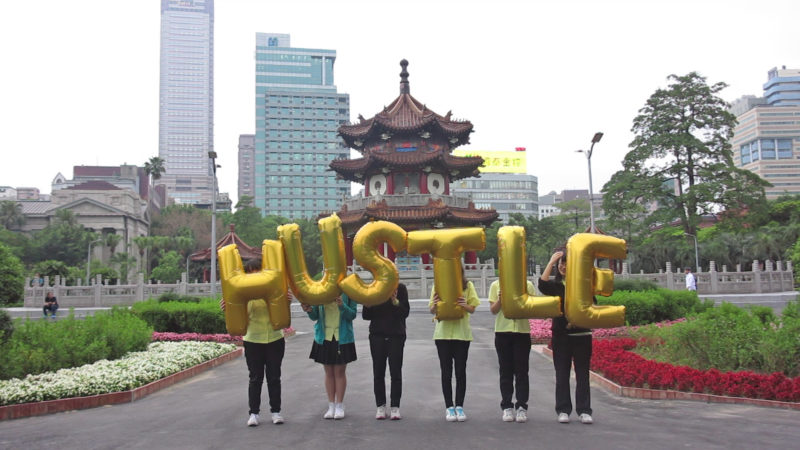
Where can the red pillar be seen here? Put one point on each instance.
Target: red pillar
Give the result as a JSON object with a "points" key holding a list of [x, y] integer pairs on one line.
{"points": [[423, 183], [426, 259], [389, 184], [390, 252], [470, 259], [348, 250]]}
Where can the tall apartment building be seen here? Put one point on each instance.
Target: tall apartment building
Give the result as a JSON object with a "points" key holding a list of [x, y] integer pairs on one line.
{"points": [[186, 99], [298, 111], [247, 174], [766, 140]]}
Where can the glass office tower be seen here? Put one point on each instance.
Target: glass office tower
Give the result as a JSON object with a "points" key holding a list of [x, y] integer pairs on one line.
{"points": [[186, 99], [298, 111]]}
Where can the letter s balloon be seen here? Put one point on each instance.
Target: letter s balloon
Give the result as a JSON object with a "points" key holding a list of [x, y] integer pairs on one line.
{"points": [[384, 273]]}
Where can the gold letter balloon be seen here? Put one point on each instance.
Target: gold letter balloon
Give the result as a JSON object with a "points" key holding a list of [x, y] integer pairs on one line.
{"points": [[584, 280], [333, 256], [516, 302], [446, 247], [384, 273], [238, 288]]}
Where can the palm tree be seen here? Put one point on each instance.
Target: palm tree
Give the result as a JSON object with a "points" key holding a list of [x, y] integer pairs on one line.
{"points": [[11, 214], [111, 241], [155, 167]]}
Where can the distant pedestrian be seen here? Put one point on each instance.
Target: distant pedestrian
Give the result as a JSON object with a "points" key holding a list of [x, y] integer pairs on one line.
{"points": [[50, 305], [691, 280]]}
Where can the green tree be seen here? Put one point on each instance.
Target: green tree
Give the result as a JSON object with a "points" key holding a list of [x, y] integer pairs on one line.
{"points": [[681, 159], [12, 277], [154, 167], [11, 215], [51, 268], [576, 211], [125, 264], [490, 252], [111, 241], [169, 268], [18, 242], [63, 240]]}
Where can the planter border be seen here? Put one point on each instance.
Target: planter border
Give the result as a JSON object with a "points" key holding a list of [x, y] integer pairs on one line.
{"points": [[113, 398], [669, 394]]}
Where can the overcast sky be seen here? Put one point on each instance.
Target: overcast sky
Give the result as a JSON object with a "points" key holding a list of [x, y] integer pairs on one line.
{"points": [[79, 79]]}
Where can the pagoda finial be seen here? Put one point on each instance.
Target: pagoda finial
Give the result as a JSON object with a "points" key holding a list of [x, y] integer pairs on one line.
{"points": [[404, 87]]}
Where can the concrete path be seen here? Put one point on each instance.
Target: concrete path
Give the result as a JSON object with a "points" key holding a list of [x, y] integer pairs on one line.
{"points": [[210, 411]]}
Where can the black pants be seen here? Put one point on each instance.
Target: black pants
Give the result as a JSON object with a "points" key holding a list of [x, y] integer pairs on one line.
{"points": [[513, 351], [452, 352], [382, 348], [51, 308], [264, 359], [566, 351]]}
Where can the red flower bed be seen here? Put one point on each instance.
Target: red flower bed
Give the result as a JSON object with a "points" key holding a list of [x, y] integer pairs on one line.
{"points": [[613, 360]]}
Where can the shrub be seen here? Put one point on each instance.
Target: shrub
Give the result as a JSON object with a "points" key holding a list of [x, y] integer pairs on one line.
{"points": [[657, 305], [38, 346], [12, 277], [634, 285], [6, 326], [182, 317], [175, 297]]}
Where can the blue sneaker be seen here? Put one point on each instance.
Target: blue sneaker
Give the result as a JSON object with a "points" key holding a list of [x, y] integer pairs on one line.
{"points": [[460, 416], [450, 414]]}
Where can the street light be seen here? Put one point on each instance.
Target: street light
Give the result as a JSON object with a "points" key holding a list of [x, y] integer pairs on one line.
{"points": [[595, 139], [89, 259], [213, 156], [696, 253]]}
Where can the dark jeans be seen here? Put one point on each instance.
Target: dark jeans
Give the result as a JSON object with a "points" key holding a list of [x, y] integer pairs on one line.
{"points": [[51, 308], [566, 350], [383, 348], [513, 351], [261, 359], [451, 352]]}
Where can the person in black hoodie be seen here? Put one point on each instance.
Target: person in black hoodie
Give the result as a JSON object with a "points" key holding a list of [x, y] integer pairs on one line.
{"points": [[387, 338], [570, 344]]}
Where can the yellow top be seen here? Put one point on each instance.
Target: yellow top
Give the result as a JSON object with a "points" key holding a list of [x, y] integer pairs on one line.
{"points": [[457, 329], [331, 321], [501, 323], [259, 329]]}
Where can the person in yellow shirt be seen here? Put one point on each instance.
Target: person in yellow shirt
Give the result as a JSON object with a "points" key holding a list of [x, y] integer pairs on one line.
{"points": [[263, 350], [512, 341], [452, 339]]}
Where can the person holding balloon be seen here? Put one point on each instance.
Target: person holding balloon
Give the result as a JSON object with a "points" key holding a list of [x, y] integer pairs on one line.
{"points": [[387, 338], [571, 345], [512, 342], [334, 347], [264, 349], [452, 339]]}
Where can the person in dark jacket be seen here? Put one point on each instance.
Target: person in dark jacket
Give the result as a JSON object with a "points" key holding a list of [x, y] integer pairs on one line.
{"points": [[570, 345], [387, 338], [50, 305]]}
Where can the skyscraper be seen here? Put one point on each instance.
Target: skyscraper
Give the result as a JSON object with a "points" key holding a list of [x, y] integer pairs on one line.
{"points": [[298, 111], [247, 176], [186, 99]]}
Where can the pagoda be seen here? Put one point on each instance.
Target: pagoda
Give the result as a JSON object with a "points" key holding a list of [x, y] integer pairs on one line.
{"points": [[407, 168]]}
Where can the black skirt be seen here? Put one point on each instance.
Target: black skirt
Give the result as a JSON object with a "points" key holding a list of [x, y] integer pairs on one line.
{"points": [[332, 352]]}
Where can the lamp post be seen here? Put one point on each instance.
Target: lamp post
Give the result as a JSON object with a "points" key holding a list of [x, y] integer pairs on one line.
{"points": [[89, 259], [595, 139], [696, 253], [213, 156]]}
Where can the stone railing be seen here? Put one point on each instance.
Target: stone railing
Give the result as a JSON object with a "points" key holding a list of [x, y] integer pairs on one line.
{"points": [[418, 278], [406, 200]]}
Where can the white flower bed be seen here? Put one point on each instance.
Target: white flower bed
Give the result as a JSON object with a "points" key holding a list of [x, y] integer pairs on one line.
{"points": [[129, 372]]}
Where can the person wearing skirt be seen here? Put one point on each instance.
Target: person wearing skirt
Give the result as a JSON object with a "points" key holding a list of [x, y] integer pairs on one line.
{"points": [[334, 347]]}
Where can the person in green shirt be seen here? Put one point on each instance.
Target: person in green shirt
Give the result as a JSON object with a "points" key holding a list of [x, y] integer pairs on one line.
{"points": [[264, 348], [512, 341], [452, 339]]}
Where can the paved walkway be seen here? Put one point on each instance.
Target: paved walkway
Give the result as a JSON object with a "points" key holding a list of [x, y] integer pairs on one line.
{"points": [[210, 411]]}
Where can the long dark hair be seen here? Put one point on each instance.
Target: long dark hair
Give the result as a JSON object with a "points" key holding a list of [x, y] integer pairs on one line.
{"points": [[464, 280], [563, 259]]}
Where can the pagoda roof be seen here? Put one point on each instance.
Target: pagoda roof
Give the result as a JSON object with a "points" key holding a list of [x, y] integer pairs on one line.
{"points": [[405, 115], [245, 251], [457, 167], [434, 211]]}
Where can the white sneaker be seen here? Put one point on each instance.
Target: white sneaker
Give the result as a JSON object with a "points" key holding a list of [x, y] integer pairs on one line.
{"points": [[329, 413], [277, 418], [338, 412], [450, 414], [460, 416], [563, 418], [522, 415], [380, 414], [508, 415], [587, 419], [253, 420], [396, 413]]}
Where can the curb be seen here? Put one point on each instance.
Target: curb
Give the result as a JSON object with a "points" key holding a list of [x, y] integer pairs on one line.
{"points": [[668, 394], [68, 404]]}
